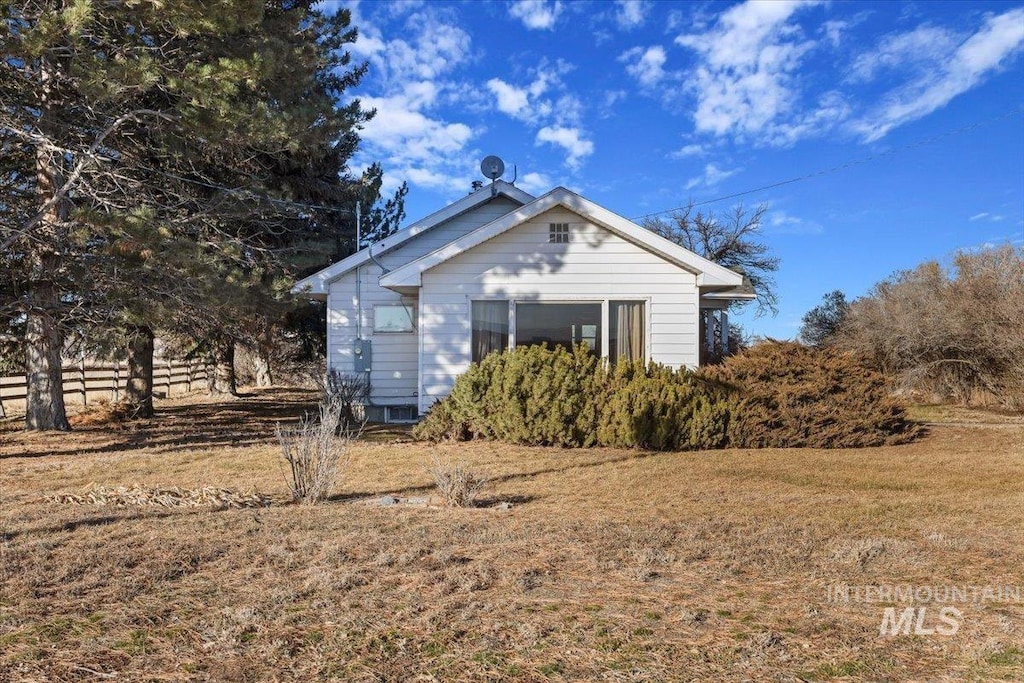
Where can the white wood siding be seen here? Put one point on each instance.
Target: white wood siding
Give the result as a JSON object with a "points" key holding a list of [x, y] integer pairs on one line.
{"points": [[442, 234], [522, 265], [394, 375]]}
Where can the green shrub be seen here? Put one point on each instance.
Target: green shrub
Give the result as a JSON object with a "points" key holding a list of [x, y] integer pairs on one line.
{"points": [[786, 395], [439, 425], [773, 395], [657, 408], [539, 396], [531, 395]]}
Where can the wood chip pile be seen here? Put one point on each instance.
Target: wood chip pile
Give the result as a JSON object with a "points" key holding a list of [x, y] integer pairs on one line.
{"points": [[164, 497]]}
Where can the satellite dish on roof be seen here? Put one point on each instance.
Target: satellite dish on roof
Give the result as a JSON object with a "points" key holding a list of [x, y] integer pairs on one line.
{"points": [[492, 167]]}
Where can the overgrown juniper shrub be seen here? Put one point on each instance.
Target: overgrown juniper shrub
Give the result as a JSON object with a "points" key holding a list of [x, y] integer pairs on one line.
{"points": [[531, 395], [655, 407], [786, 395], [773, 395]]}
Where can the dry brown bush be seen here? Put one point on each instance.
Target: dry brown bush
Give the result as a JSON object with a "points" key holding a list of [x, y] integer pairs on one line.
{"points": [[948, 334], [456, 482], [316, 450], [788, 395]]}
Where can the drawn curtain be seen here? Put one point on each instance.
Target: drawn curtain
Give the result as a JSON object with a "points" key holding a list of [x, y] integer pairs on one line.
{"points": [[627, 323], [490, 328]]}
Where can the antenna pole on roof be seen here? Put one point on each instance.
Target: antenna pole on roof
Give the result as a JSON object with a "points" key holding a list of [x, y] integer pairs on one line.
{"points": [[359, 225]]}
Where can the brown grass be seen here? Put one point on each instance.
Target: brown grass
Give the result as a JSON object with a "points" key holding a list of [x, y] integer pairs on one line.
{"points": [[612, 565]]}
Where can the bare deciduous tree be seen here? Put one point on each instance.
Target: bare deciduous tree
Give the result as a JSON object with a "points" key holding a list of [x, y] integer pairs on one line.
{"points": [[734, 241], [954, 333]]}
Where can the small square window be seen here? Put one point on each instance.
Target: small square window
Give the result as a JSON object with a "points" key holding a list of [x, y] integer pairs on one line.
{"points": [[558, 233]]}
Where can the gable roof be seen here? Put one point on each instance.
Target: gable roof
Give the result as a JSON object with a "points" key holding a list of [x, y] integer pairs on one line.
{"points": [[709, 274], [318, 282]]}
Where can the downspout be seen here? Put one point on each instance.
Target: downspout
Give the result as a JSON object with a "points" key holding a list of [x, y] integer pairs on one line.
{"points": [[359, 278], [374, 259]]}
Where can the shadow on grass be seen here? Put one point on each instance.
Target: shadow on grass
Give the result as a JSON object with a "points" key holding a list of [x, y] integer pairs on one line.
{"points": [[104, 520], [421, 489], [246, 420]]}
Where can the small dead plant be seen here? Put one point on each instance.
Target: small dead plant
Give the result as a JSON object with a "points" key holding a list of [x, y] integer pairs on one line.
{"points": [[317, 449], [457, 484], [350, 393]]}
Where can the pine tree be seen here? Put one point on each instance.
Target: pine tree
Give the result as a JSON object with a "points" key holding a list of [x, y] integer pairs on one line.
{"points": [[156, 160]]}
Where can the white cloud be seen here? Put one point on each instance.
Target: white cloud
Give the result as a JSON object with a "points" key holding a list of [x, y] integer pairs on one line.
{"points": [[397, 8], [685, 151], [546, 105], [413, 76], [409, 134], [986, 216], [525, 103], [918, 51], [745, 82], [630, 14], [536, 14], [570, 139], [712, 176], [987, 50], [782, 223], [611, 98], [435, 49], [511, 100], [534, 183], [646, 66], [833, 31]]}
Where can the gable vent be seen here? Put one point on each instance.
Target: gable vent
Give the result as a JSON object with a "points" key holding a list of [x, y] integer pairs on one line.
{"points": [[558, 233]]}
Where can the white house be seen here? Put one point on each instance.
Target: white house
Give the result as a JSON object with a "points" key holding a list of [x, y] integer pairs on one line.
{"points": [[500, 268]]}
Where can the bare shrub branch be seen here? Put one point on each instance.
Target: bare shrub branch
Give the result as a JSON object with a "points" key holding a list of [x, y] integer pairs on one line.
{"points": [[457, 484], [349, 392], [317, 449], [948, 333]]}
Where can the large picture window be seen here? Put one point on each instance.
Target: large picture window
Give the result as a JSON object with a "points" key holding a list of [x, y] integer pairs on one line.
{"points": [[559, 325], [490, 327], [626, 327]]}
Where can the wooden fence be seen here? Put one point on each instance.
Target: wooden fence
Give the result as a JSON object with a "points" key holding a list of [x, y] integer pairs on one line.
{"points": [[89, 381]]}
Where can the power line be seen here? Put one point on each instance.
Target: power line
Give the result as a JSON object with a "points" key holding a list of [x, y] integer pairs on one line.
{"points": [[835, 169]]}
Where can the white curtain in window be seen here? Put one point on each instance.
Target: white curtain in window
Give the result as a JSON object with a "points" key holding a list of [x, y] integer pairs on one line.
{"points": [[490, 328], [628, 318]]}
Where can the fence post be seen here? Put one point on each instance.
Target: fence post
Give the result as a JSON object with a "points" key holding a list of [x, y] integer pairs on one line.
{"points": [[81, 377], [117, 381], [170, 371]]}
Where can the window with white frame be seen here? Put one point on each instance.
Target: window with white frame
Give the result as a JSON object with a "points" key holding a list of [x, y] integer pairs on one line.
{"points": [[394, 318], [559, 324]]}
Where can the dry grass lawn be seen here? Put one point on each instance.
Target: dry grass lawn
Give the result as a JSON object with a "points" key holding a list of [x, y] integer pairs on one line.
{"points": [[611, 566]]}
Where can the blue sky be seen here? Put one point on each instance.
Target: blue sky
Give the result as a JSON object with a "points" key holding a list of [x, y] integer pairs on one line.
{"points": [[644, 106]]}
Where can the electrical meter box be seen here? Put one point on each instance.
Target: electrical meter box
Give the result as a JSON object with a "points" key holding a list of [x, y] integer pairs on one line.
{"points": [[362, 352]]}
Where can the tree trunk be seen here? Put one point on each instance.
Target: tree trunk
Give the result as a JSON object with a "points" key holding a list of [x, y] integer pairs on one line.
{"points": [[261, 363], [139, 392], [44, 402], [224, 372], [261, 356]]}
